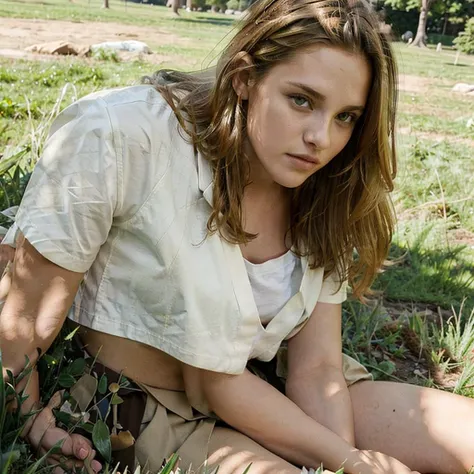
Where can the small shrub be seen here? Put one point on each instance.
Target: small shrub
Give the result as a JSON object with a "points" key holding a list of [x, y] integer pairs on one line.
{"points": [[106, 55], [11, 109], [216, 4], [239, 5], [465, 40]]}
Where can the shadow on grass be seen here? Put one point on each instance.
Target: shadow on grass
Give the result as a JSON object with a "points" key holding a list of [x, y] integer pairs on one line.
{"points": [[442, 277], [456, 65], [208, 20]]}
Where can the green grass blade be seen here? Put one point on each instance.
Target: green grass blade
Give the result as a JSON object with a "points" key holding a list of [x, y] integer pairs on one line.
{"points": [[7, 163], [170, 465]]}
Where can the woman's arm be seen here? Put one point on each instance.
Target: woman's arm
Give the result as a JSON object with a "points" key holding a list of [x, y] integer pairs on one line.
{"points": [[255, 408], [39, 297], [315, 379]]}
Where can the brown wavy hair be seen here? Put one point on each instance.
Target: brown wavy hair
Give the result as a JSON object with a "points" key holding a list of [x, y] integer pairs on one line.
{"points": [[341, 217]]}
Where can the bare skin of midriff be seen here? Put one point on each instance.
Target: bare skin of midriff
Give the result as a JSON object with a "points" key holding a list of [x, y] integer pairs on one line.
{"points": [[135, 360]]}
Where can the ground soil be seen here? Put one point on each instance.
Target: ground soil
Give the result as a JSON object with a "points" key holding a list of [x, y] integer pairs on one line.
{"points": [[410, 83], [416, 364], [16, 34]]}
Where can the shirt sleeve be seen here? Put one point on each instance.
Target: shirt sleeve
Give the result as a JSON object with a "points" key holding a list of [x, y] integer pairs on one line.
{"points": [[68, 207], [330, 291]]}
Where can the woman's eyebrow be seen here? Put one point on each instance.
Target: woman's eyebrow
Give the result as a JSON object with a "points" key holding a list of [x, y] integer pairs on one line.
{"points": [[321, 97]]}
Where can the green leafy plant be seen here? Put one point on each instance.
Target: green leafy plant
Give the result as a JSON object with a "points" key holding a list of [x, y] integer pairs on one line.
{"points": [[104, 54], [465, 40], [365, 337]]}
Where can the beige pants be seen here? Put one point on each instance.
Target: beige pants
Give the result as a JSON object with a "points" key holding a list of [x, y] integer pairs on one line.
{"points": [[171, 425]]}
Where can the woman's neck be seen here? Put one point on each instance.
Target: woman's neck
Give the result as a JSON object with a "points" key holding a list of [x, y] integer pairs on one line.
{"points": [[260, 181]]}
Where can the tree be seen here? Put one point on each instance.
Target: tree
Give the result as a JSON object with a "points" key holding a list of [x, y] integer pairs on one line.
{"points": [[420, 37], [424, 6], [175, 5], [106, 4], [450, 16], [440, 13]]}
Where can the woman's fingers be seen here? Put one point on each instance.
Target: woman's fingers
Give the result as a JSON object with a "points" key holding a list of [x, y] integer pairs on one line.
{"points": [[82, 448], [57, 437], [43, 422], [61, 462], [74, 448]]}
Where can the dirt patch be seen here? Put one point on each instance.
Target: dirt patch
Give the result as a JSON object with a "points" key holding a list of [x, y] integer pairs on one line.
{"points": [[16, 34], [417, 365], [463, 237], [408, 83]]}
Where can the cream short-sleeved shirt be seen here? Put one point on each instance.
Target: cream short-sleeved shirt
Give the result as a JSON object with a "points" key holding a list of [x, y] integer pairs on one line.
{"points": [[121, 195]]}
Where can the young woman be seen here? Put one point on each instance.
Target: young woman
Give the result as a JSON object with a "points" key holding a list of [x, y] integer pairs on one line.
{"points": [[204, 222]]}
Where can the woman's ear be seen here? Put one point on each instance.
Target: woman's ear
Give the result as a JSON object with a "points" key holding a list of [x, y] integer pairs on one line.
{"points": [[242, 81]]}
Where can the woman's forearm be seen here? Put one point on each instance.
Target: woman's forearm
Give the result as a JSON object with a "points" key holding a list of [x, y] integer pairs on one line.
{"points": [[324, 396], [256, 409]]}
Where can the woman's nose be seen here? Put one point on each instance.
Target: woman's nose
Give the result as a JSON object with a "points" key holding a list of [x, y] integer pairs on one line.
{"points": [[318, 132]]}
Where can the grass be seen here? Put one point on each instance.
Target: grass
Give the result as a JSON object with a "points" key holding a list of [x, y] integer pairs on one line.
{"points": [[430, 64], [421, 328], [205, 30]]}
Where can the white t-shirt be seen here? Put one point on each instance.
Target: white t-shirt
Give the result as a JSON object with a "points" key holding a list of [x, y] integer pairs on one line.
{"points": [[273, 283]]}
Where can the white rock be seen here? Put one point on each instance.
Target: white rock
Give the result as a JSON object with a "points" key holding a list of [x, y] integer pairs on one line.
{"points": [[129, 45], [463, 87]]}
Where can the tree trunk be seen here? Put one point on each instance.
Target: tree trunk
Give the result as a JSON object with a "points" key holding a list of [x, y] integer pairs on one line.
{"points": [[176, 4], [106, 4], [189, 5], [420, 40], [445, 24]]}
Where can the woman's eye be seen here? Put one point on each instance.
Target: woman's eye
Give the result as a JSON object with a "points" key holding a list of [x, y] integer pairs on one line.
{"points": [[347, 117], [300, 101]]}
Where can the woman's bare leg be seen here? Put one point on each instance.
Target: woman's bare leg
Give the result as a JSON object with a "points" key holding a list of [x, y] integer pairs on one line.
{"points": [[429, 430], [233, 452]]}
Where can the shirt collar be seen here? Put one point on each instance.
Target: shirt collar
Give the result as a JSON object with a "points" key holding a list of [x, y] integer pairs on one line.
{"points": [[205, 177]]}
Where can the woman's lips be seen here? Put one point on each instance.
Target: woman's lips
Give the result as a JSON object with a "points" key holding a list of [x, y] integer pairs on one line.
{"points": [[303, 161]]}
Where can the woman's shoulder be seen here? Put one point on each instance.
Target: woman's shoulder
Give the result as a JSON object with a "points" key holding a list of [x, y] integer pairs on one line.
{"points": [[133, 108], [140, 119], [128, 96]]}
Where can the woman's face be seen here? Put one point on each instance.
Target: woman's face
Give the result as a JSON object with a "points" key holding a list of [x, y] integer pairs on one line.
{"points": [[302, 113]]}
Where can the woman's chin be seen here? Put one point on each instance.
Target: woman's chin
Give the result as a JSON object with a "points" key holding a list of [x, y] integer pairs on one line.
{"points": [[291, 180]]}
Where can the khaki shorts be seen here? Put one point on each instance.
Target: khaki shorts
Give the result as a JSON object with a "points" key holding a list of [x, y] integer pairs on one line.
{"points": [[171, 425]]}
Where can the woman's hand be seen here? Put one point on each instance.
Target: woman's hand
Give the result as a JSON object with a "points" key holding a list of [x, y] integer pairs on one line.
{"points": [[373, 462], [76, 451]]}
